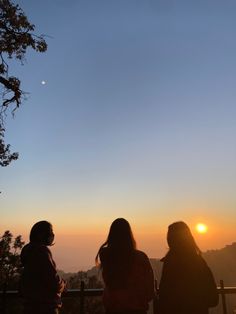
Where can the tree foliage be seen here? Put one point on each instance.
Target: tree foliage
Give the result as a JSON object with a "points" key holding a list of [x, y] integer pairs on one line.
{"points": [[16, 36], [9, 258]]}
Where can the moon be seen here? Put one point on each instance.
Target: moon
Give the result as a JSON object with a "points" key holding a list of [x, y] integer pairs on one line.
{"points": [[43, 82], [201, 228]]}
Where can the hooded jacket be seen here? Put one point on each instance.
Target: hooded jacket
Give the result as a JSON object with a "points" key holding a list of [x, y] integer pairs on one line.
{"points": [[187, 285], [40, 283]]}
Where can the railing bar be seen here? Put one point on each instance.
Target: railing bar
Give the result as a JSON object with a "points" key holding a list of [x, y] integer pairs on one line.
{"points": [[98, 292]]}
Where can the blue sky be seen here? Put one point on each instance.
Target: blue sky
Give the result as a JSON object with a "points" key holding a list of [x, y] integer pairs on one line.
{"points": [[136, 119]]}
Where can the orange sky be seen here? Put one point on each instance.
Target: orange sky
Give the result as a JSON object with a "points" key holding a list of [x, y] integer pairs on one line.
{"points": [[75, 247]]}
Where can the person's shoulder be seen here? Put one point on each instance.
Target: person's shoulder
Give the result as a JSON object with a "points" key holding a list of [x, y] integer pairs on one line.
{"points": [[32, 251], [103, 253], [25, 248], [104, 250], [42, 251], [141, 255], [31, 248], [25, 253]]}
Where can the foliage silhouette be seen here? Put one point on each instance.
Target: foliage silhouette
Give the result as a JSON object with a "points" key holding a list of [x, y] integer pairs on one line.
{"points": [[16, 36], [10, 265]]}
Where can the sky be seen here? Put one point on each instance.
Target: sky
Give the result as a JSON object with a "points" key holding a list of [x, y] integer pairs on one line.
{"points": [[136, 119]]}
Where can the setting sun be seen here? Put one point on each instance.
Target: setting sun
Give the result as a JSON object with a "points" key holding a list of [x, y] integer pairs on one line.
{"points": [[201, 228]]}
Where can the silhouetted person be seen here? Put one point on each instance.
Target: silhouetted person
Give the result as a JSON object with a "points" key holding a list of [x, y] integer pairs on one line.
{"points": [[187, 285], [41, 286], [126, 271]]}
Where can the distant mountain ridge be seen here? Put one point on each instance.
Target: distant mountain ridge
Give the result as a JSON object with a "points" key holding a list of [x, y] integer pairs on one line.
{"points": [[221, 261], [223, 264]]}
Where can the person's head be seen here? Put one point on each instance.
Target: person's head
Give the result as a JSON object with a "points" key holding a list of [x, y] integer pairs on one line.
{"points": [[42, 233], [180, 239], [120, 235], [120, 238]]}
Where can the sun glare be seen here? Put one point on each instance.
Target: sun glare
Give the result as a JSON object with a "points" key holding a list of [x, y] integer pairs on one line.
{"points": [[201, 228]]}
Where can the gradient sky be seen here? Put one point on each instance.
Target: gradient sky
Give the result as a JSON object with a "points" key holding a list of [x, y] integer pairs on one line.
{"points": [[137, 119]]}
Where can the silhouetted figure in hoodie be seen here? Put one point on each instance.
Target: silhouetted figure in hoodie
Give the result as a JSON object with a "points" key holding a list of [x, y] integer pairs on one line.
{"points": [[41, 286], [187, 285]]}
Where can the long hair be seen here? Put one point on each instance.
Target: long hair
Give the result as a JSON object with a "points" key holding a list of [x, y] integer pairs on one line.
{"points": [[116, 254], [41, 233], [180, 239]]}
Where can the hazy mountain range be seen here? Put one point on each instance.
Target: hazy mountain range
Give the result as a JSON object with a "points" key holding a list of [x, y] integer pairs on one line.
{"points": [[222, 263]]}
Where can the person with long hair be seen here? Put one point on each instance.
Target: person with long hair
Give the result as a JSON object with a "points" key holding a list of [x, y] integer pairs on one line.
{"points": [[41, 286], [187, 284], [126, 271]]}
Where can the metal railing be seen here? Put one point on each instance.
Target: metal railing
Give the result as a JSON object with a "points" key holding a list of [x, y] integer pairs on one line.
{"points": [[82, 293]]}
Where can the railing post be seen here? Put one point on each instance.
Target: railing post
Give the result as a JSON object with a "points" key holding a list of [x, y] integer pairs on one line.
{"points": [[81, 297], [223, 297]]}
